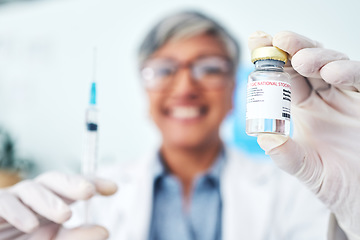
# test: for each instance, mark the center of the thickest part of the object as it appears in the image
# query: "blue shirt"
(202, 221)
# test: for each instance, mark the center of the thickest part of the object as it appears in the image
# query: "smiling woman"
(188, 65)
(189, 112)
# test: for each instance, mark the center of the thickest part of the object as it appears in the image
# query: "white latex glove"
(36, 209)
(325, 150)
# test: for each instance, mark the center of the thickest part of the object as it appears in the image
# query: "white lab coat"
(260, 202)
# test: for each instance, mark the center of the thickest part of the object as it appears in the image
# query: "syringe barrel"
(89, 164)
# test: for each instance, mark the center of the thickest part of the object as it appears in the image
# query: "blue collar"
(214, 173)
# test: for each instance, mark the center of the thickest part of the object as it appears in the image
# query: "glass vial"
(268, 93)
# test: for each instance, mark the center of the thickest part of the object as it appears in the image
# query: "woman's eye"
(164, 72)
(212, 70)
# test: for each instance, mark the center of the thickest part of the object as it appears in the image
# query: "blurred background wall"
(46, 68)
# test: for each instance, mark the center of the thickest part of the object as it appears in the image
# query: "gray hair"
(184, 25)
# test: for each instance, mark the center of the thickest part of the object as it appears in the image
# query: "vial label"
(269, 100)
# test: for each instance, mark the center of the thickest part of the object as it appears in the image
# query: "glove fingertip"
(270, 141)
(105, 187)
(259, 39)
(63, 216)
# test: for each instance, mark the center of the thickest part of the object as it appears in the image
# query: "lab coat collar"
(160, 169)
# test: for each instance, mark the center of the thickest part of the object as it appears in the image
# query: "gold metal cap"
(273, 53)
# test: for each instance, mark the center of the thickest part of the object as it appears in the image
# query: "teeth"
(185, 112)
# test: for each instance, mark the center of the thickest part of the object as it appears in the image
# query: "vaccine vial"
(268, 93)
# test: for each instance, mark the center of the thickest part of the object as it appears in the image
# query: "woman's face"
(189, 111)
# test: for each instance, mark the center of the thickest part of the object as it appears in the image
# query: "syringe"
(89, 161)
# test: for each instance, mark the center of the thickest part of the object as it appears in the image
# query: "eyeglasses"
(210, 72)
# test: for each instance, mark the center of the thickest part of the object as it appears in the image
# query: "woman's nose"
(184, 83)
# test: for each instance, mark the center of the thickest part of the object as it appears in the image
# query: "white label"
(268, 99)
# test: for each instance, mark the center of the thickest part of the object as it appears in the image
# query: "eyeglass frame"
(190, 65)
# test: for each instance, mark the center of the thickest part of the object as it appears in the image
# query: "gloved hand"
(36, 209)
(325, 150)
